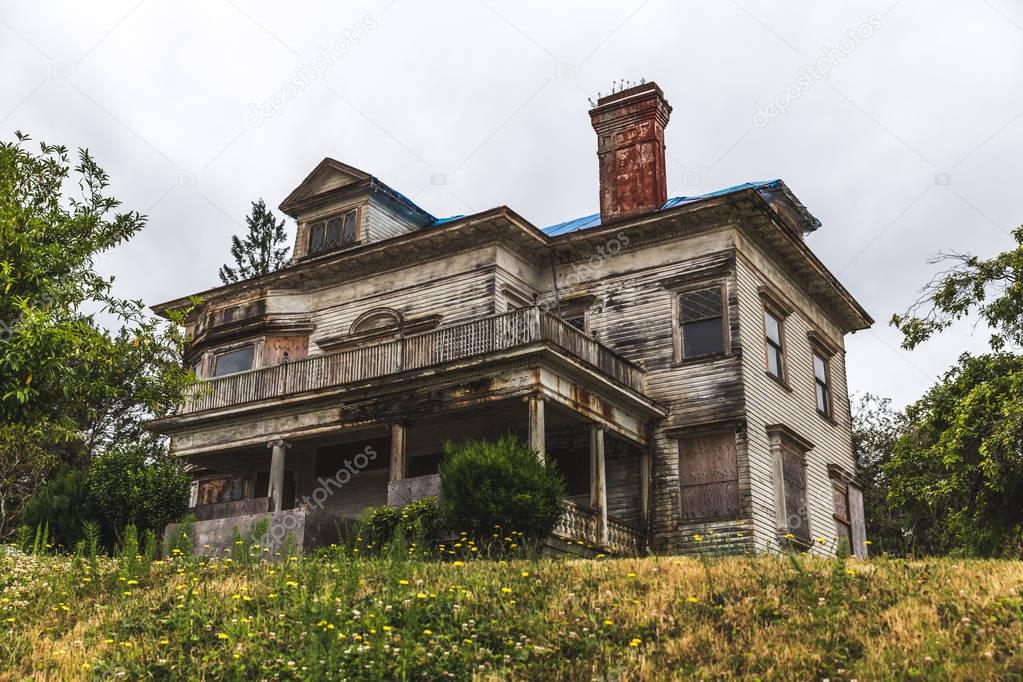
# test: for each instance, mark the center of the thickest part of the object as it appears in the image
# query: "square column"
(399, 465)
(598, 481)
(537, 435)
(275, 487)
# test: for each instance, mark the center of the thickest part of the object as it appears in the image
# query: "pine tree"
(261, 251)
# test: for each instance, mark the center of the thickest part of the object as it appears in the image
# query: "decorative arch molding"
(376, 321)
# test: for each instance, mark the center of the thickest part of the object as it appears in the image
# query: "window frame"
(784, 440)
(779, 347)
(842, 524)
(678, 333)
(826, 386)
(226, 351)
(322, 223)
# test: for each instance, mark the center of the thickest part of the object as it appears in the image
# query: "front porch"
(338, 433)
(310, 488)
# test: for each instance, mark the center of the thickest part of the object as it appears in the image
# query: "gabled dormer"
(338, 206)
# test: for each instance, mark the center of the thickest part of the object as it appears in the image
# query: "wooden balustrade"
(478, 337)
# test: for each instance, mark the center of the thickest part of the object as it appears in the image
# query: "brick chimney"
(630, 148)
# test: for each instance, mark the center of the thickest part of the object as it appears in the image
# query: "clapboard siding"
(458, 288)
(379, 223)
(633, 298)
(768, 402)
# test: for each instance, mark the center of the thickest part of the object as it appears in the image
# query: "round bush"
(501, 484)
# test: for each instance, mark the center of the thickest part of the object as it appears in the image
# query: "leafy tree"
(139, 485)
(63, 506)
(68, 386)
(956, 474)
(957, 470)
(260, 252)
(502, 483)
(989, 287)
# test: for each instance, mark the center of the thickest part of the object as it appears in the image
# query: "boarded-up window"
(708, 476)
(701, 322)
(848, 502)
(794, 478)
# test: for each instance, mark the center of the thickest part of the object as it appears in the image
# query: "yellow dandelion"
(222, 635)
(459, 563)
(506, 590)
(698, 538)
(403, 582)
(607, 621)
(427, 632)
(525, 574)
(635, 642)
(632, 574)
(692, 600)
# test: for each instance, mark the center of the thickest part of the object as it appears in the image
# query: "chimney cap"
(627, 91)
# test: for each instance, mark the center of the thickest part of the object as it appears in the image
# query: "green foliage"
(260, 252)
(989, 287)
(956, 475)
(138, 485)
(69, 387)
(64, 504)
(418, 522)
(500, 484)
(957, 471)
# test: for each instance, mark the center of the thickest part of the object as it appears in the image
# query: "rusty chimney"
(630, 148)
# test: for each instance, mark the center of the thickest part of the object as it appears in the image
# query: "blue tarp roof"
(591, 221)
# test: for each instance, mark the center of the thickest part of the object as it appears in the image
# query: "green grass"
(337, 616)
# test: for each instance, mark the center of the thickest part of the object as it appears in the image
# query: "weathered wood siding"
(768, 402)
(458, 288)
(632, 312)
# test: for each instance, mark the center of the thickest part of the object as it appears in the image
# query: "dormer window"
(333, 232)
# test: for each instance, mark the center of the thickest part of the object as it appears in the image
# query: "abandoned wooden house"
(681, 359)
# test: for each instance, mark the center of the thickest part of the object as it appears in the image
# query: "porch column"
(398, 461)
(644, 486)
(275, 487)
(598, 481)
(537, 436)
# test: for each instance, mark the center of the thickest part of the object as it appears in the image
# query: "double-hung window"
(822, 384)
(775, 350)
(702, 322)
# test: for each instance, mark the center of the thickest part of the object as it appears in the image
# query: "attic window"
(333, 232)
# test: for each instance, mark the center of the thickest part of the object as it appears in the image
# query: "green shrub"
(417, 522)
(501, 484)
(139, 485)
(63, 504)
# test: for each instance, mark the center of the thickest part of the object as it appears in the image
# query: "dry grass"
(334, 617)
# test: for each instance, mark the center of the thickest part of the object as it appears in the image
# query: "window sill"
(827, 417)
(701, 359)
(778, 380)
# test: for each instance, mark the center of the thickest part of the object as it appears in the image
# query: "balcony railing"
(582, 524)
(486, 335)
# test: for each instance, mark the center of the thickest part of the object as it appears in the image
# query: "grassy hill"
(335, 617)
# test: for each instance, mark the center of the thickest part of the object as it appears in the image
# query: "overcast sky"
(898, 124)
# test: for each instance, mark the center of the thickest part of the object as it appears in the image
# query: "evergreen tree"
(261, 251)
